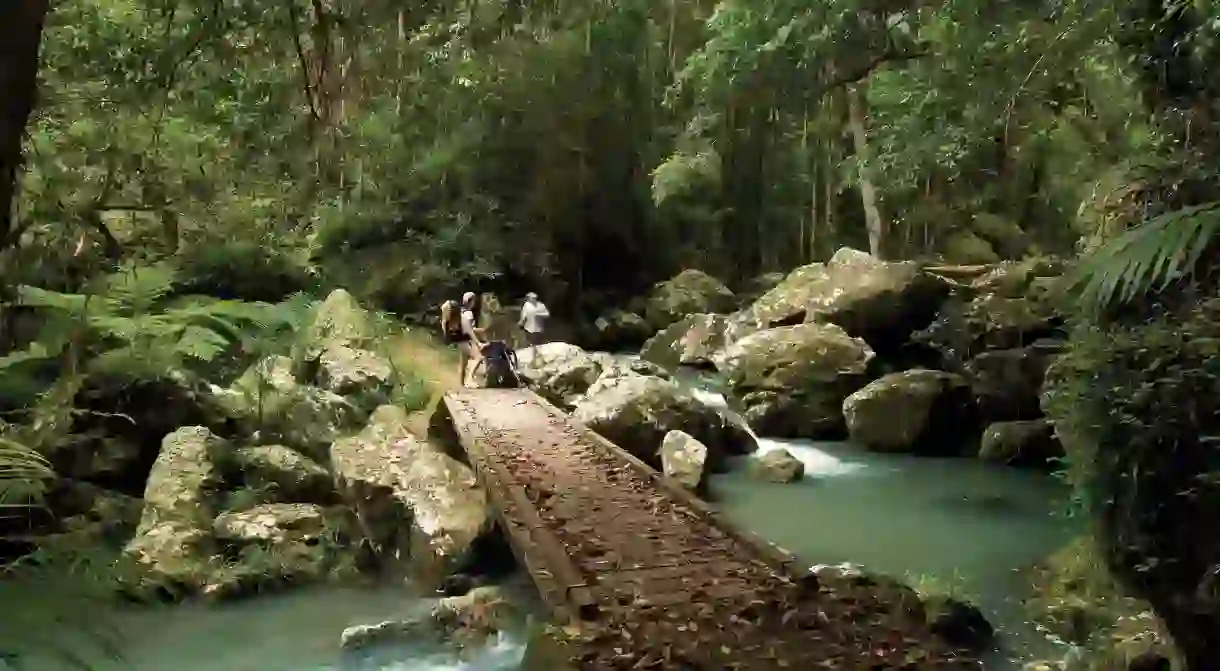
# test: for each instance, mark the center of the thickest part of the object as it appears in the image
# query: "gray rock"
(925, 411)
(560, 372)
(791, 381)
(285, 474)
(694, 340)
(689, 292)
(684, 460)
(776, 466)
(882, 302)
(1021, 443)
(637, 411)
(418, 506)
(365, 377)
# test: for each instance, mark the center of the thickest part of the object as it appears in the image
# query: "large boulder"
(689, 292)
(1025, 443)
(268, 401)
(173, 541)
(280, 474)
(695, 340)
(277, 544)
(1008, 382)
(412, 500)
(618, 330)
(309, 419)
(339, 320)
(791, 381)
(1010, 306)
(924, 411)
(364, 377)
(560, 372)
(637, 411)
(882, 302)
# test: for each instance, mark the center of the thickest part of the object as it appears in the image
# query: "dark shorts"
(456, 338)
(533, 339)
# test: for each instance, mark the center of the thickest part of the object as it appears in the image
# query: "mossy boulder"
(422, 510)
(695, 340)
(689, 292)
(560, 372)
(1030, 443)
(922, 411)
(637, 411)
(791, 381)
(339, 320)
(882, 302)
(965, 246)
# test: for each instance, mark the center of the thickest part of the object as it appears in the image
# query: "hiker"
(458, 325)
(533, 313)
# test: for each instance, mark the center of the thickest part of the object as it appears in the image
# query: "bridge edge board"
(572, 597)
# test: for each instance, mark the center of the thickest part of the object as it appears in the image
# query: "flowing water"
(293, 631)
(945, 524)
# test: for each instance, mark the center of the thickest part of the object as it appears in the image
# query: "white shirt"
(468, 322)
(532, 315)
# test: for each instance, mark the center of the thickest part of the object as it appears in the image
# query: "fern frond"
(33, 297)
(129, 329)
(200, 343)
(138, 287)
(1149, 256)
(22, 471)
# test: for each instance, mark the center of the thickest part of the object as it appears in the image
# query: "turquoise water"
(294, 631)
(957, 525)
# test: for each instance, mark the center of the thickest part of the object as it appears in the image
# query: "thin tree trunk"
(857, 119)
(21, 24)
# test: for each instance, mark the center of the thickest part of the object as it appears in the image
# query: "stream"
(954, 524)
(297, 630)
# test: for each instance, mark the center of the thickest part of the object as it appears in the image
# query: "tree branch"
(304, 62)
(864, 71)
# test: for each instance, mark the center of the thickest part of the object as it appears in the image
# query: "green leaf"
(1147, 257)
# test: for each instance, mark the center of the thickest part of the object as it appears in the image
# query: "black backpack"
(501, 362)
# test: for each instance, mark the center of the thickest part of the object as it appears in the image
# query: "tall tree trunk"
(857, 119)
(20, 36)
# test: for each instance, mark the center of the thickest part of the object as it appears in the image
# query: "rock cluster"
(895, 355)
(306, 472)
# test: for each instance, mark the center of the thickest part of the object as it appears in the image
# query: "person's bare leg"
(463, 361)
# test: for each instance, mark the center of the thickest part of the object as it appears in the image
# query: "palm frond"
(1149, 256)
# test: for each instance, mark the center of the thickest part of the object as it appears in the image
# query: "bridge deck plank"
(661, 580)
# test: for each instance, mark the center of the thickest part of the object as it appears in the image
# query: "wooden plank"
(773, 555)
(513, 501)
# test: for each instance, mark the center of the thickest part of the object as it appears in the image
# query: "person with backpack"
(458, 326)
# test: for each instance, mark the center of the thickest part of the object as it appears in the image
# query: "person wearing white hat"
(471, 334)
(533, 313)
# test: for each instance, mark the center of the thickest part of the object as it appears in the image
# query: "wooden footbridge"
(651, 575)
